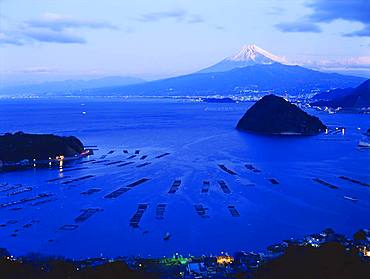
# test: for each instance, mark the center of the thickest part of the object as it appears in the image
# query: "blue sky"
(53, 40)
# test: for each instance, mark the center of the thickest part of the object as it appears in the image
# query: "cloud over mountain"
(326, 11)
(59, 22)
(360, 62)
(50, 28)
(179, 15)
(298, 27)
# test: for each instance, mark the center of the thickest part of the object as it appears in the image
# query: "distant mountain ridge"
(271, 78)
(65, 86)
(249, 55)
(358, 97)
(251, 72)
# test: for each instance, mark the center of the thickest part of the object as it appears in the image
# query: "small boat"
(363, 143)
(350, 199)
(167, 236)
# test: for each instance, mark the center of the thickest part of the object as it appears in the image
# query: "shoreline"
(247, 262)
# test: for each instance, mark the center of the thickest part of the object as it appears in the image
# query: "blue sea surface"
(198, 137)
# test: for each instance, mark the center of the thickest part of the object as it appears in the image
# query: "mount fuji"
(251, 72)
(249, 55)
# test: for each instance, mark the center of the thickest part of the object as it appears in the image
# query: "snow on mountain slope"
(247, 56)
(256, 54)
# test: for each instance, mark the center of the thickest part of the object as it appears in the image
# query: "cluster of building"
(225, 265)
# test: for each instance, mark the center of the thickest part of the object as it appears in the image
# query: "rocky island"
(274, 115)
(20, 149)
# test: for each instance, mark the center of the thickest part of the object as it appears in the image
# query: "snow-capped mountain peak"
(247, 56)
(255, 54)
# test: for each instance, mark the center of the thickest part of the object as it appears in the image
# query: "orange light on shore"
(365, 251)
(60, 158)
(225, 260)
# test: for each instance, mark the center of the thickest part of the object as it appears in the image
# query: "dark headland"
(21, 146)
(358, 97)
(274, 115)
